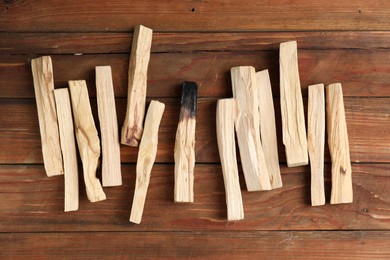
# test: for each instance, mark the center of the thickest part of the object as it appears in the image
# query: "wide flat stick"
(293, 118)
(268, 128)
(87, 139)
(316, 142)
(146, 157)
(227, 153)
(338, 146)
(247, 122)
(42, 71)
(111, 161)
(138, 68)
(68, 148)
(185, 145)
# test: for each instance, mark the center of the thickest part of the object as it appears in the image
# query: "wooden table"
(338, 41)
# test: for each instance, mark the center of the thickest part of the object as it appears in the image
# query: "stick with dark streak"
(185, 145)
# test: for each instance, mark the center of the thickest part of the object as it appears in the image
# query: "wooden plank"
(218, 15)
(20, 141)
(361, 69)
(220, 245)
(32, 202)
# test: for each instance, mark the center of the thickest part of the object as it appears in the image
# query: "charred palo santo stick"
(293, 118)
(146, 156)
(227, 153)
(138, 67)
(338, 146)
(247, 128)
(185, 144)
(87, 139)
(68, 147)
(316, 142)
(111, 164)
(42, 71)
(268, 128)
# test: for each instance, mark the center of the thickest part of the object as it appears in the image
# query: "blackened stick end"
(188, 100)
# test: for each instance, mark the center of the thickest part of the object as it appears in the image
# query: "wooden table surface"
(338, 41)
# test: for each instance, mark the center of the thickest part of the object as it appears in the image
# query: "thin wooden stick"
(316, 142)
(293, 117)
(42, 71)
(138, 67)
(146, 156)
(111, 160)
(227, 153)
(268, 128)
(338, 146)
(247, 122)
(185, 145)
(87, 139)
(68, 148)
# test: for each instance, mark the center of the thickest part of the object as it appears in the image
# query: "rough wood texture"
(293, 118)
(245, 92)
(137, 79)
(68, 149)
(184, 152)
(316, 142)
(146, 157)
(87, 139)
(227, 153)
(42, 71)
(268, 128)
(338, 146)
(111, 164)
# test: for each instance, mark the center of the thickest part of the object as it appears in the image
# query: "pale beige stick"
(138, 68)
(87, 139)
(338, 146)
(42, 71)
(268, 128)
(316, 142)
(68, 148)
(247, 125)
(227, 153)
(111, 160)
(146, 156)
(185, 145)
(293, 117)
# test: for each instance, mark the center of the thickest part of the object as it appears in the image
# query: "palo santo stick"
(247, 128)
(185, 145)
(68, 148)
(316, 142)
(338, 146)
(146, 156)
(138, 68)
(87, 139)
(111, 164)
(42, 71)
(268, 128)
(293, 118)
(227, 153)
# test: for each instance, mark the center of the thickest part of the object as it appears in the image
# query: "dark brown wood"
(220, 245)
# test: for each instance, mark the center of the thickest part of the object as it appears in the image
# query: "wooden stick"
(227, 153)
(42, 71)
(316, 142)
(338, 146)
(68, 148)
(293, 118)
(268, 128)
(185, 145)
(247, 127)
(146, 156)
(111, 164)
(138, 67)
(87, 139)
